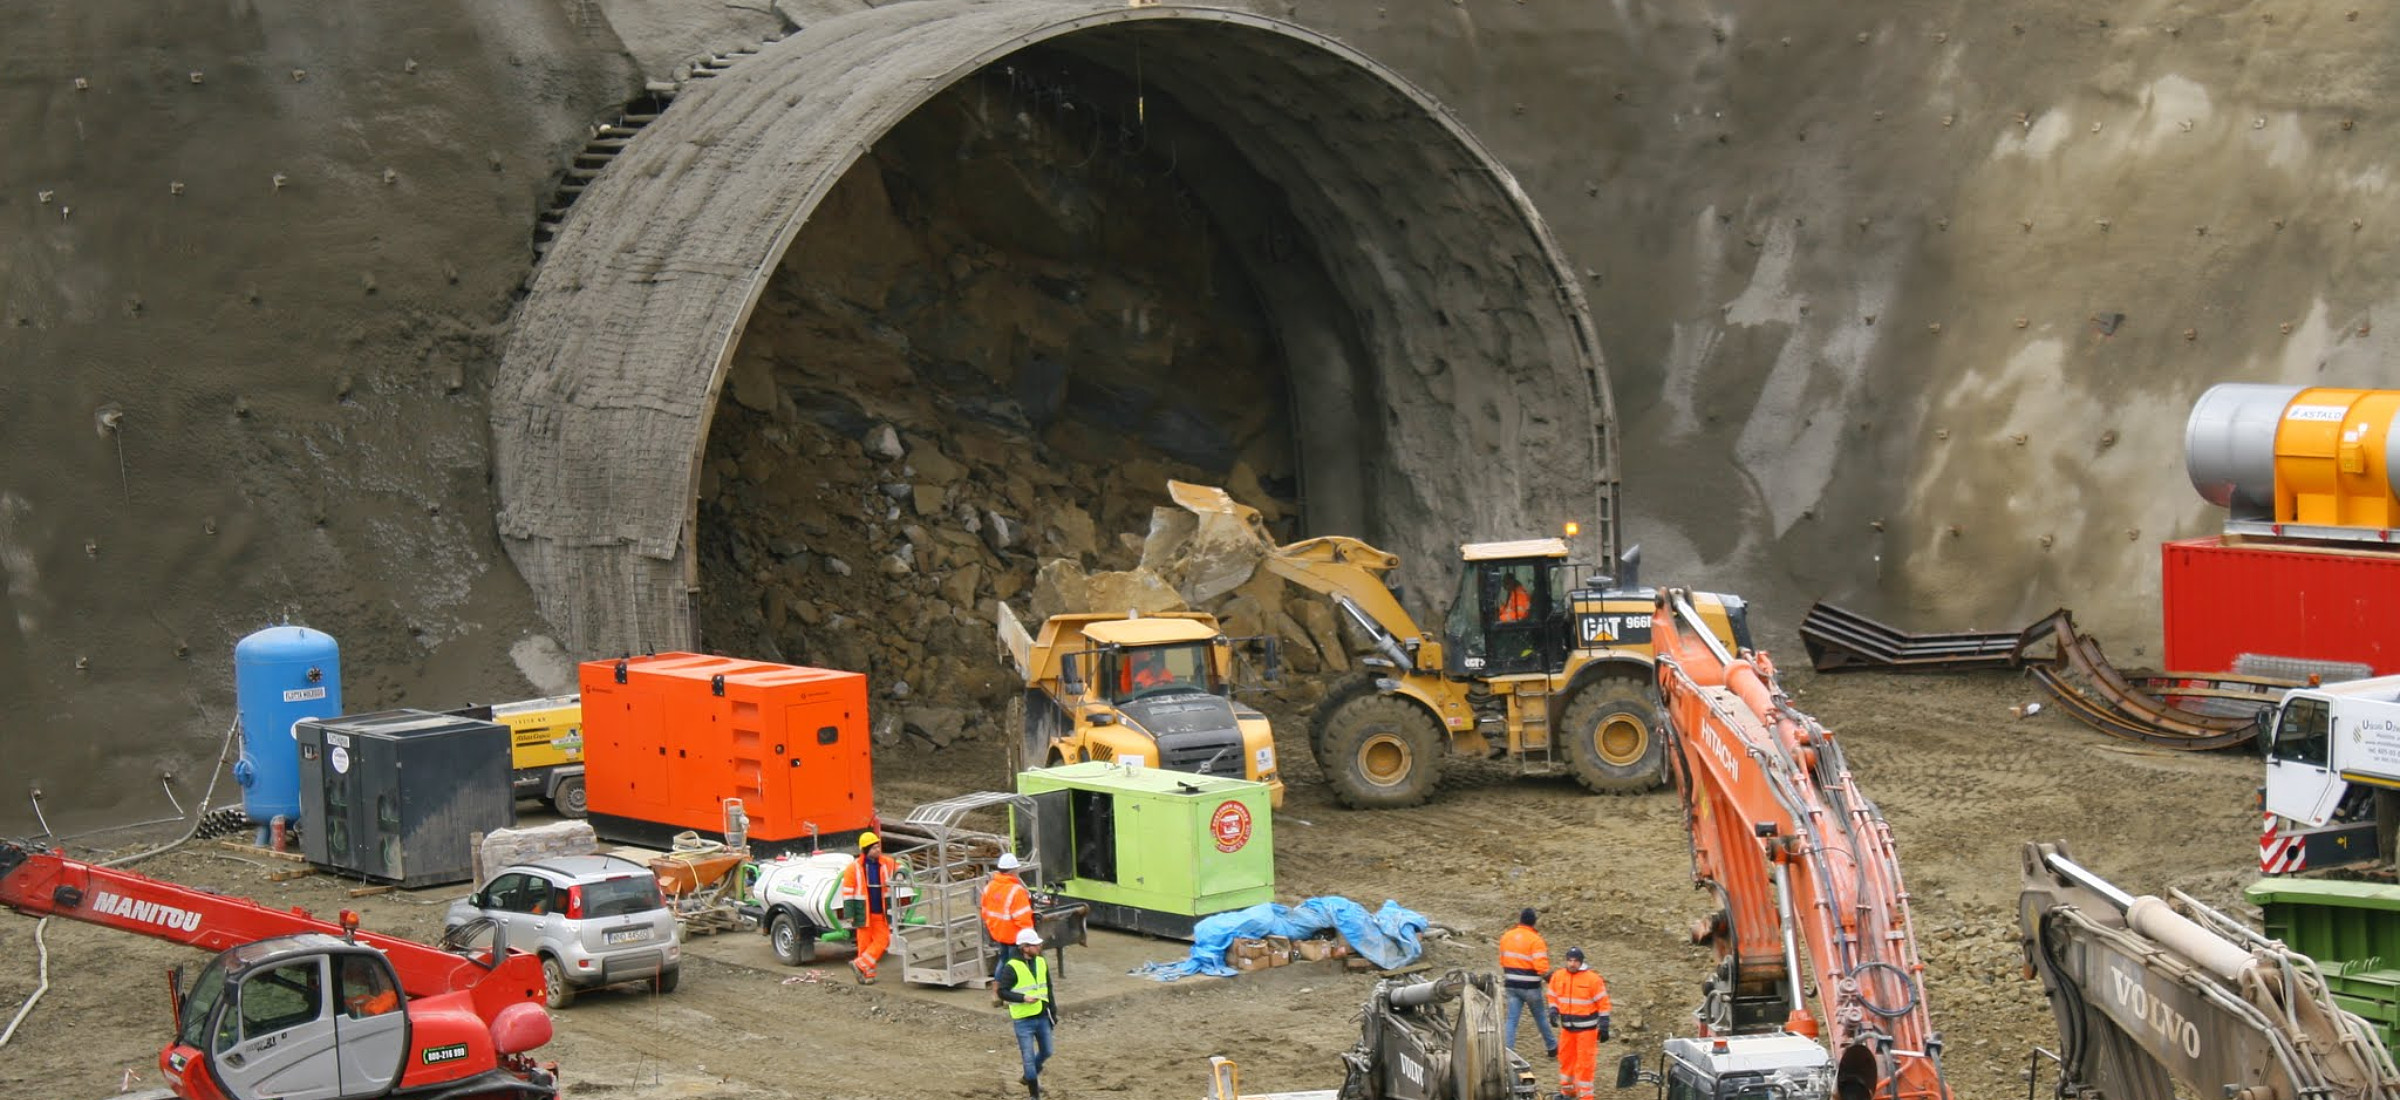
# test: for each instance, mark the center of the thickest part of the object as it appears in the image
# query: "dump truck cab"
(1156, 690)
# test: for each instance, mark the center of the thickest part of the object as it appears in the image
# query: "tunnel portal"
(1060, 252)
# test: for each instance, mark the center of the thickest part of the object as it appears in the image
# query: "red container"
(2312, 602)
(667, 738)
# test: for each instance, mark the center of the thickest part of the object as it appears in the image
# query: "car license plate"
(628, 935)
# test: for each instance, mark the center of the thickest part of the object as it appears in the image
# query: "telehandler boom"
(299, 1008)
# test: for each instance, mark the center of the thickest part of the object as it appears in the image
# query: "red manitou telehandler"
(298, 1008)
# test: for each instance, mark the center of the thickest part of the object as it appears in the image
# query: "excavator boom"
(2150, 995)
(1799, 857)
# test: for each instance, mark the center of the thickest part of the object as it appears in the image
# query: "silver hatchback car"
(594, 920)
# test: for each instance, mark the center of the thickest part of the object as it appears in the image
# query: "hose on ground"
(42, 926)
(41, 947)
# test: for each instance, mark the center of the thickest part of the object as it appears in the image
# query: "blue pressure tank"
(281, 675)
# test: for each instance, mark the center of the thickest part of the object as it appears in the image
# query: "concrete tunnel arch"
(1454, 390)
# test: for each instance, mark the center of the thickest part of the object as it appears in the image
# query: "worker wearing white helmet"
(1007, 907)
(1024, 984)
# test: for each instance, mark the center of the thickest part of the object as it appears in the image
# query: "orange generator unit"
(667, 738)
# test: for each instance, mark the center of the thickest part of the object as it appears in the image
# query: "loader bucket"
(1223, 548)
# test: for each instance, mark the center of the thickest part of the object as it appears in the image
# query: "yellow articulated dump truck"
(1156, 690)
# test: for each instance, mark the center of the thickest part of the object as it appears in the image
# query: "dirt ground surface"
(1964, 784)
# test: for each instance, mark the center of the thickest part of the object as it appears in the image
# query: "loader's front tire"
(1382, 752)
(1341, 696)
(1613, 737)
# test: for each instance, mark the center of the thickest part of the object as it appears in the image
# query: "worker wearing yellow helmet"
(870, 882)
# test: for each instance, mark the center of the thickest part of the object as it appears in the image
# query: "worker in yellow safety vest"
(1579, 1006)
(1024, 984)
(870, 880)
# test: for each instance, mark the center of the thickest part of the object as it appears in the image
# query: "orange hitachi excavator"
(294, 1006)
(1798, 859)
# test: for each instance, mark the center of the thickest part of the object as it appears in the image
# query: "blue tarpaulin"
(1387, 937)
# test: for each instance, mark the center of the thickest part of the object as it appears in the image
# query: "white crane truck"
(2333, 776)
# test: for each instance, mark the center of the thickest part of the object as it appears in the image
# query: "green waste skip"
(2352, 929)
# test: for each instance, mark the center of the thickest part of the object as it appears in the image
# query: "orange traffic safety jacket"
(1580, 997)
(1516, 606)
(875, 889)
(1524, 958)
(1007, 908)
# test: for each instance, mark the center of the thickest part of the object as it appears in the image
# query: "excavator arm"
(1798, 856)
(42, 883)
(2150, 995)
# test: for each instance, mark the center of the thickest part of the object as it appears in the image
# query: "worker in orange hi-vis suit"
(870, 882)
(1579, 1006)
(1516, 605)
(1007, 908)
(1524, 967)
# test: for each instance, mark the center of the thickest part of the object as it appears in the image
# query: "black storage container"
(398, 795)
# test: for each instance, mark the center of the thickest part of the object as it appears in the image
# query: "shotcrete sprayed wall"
(1905, 304)
(255, 261)
(1770, 207)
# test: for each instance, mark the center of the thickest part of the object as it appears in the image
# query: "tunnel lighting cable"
(40, 942)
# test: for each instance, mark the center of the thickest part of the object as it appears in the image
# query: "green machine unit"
(1152, 850)
(2352, 930)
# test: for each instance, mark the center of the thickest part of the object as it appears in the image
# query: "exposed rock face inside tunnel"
(1003, 331)
(1443, 378)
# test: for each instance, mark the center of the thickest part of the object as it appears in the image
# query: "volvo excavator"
(1537, 662)
(1797, 858)
(1419, 1039)
(298, 1008)
(2157, 998)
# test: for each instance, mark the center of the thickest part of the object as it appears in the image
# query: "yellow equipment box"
(546, 749)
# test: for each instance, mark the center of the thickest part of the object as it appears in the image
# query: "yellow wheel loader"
(1156, 690)
(1537, 662)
